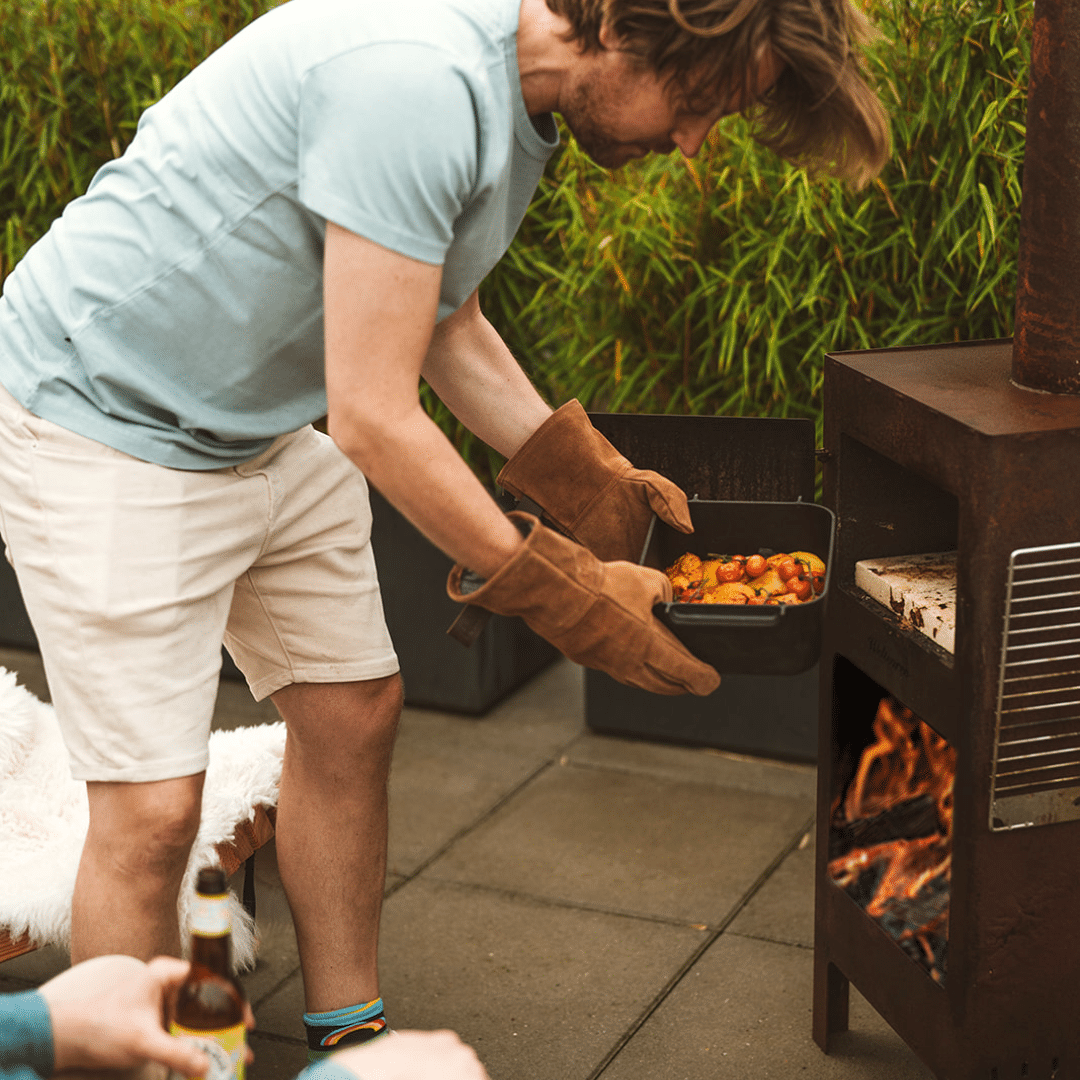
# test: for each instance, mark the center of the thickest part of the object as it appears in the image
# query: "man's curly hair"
(820, 114)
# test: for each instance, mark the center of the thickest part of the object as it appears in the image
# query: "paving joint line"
(634, 770)
(273, 1036)
(700, 951)
(475, 824)
(571, 905)
(274, 989)
(773, 941)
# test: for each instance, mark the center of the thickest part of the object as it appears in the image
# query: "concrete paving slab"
(744, 1010)
(443, 778)
(33, 968)
(783, 908)
(628, 842)
(704, 765)
(541, 991)
(450, 770)
(541, 717)
(280, 1014)
(275, 1059)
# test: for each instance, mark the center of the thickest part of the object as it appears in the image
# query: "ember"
(891, 834)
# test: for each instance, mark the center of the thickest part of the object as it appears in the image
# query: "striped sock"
(330, 1031)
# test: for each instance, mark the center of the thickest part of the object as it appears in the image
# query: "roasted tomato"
(810, 561)
(787, 568)
(800, 587)
(730, 571)
(756, 565)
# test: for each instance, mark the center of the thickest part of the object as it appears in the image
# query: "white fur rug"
(43, 816)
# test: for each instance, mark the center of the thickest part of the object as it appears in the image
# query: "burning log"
(890, 845)
(907, 820)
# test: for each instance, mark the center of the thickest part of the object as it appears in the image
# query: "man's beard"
(592, 136)
(605, 152)
(578, 114)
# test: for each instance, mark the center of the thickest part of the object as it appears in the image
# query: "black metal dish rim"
(758, 611)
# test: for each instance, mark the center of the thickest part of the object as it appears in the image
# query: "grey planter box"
(15, 629)
(772, 716)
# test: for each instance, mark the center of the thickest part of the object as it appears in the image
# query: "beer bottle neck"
(214, 953)
(211, 937)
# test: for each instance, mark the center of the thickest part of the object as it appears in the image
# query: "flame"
(908, 760)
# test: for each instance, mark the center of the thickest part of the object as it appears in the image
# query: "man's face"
(618, 110)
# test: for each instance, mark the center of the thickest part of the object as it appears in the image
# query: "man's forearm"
(469, 366)
(416, 468)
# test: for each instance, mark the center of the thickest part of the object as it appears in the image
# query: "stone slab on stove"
(920, 589)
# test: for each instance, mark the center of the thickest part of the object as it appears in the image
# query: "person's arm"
(26, 1038)
(402, 1055)
(106, 1013)
(558, 460)
(380, 310)
(476, 376)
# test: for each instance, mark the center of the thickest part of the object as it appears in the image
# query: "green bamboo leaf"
(988, 209)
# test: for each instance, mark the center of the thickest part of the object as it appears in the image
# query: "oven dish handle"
(739, 621)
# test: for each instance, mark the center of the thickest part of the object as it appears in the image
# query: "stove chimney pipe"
(1046, 343)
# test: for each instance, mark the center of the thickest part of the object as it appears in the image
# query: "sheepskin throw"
(43, 816)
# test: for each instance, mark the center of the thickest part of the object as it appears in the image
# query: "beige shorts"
(133, 575)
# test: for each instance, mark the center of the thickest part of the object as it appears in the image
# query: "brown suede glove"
(587, 488)
(598, 614)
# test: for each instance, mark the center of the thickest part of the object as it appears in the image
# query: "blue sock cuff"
(349, 1014)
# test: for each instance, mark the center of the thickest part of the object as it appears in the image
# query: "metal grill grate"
(1037, 741)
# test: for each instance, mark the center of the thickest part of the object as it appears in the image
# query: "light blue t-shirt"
(174, 311)
(26, 1037)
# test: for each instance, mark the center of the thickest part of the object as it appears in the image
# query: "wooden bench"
(246, 840)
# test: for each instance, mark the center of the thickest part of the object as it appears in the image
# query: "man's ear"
(609, 40)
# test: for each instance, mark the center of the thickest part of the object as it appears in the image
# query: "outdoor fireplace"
(972, 448)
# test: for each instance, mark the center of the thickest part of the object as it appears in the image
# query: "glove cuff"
(565, 466)
(522, 585)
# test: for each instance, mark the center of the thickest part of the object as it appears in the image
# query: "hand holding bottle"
(106, 1014)
(413, 1055)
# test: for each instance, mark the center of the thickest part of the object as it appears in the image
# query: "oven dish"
(741, 639)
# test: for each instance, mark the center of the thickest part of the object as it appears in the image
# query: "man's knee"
(145, 829)
(357, 713)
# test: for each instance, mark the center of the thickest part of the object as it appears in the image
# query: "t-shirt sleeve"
(26, 1037)
(328, 1069)
(389, 146)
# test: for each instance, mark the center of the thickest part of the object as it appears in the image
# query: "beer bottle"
(208, 1007)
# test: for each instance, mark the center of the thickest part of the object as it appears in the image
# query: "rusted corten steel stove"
(960, 447)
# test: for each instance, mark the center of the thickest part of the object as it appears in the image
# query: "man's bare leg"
(331, 831)
(136, 851)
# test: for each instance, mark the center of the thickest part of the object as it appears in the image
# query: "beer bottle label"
(210, 915)
(224, 1047)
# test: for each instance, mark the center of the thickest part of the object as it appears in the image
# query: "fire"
(903, 785)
